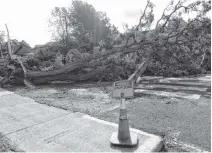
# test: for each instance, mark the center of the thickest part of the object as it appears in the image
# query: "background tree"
(81, 24)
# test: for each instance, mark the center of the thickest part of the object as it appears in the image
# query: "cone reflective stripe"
(122, 105)
(124, 137)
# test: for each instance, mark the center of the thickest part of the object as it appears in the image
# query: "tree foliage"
(171, 46)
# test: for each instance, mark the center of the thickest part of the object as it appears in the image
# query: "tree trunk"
(66, 77)
(141, 68)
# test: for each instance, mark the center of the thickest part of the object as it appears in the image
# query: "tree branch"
(8, 43)
(144, 13)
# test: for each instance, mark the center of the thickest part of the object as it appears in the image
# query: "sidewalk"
(41, 128)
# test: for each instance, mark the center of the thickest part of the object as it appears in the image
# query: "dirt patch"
(77, 98)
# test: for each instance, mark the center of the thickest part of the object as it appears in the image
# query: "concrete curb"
(154, 144)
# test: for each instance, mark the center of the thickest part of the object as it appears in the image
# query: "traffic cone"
(124, 137)
(123, 129)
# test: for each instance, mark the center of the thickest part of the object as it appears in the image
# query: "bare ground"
(86, 98)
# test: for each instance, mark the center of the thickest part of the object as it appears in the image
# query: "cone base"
(133, 141)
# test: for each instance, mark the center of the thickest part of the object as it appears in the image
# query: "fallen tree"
(147, 44)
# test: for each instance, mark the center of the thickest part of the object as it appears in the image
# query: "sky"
(28, 19)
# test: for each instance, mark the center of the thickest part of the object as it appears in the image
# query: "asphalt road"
(184, 123)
